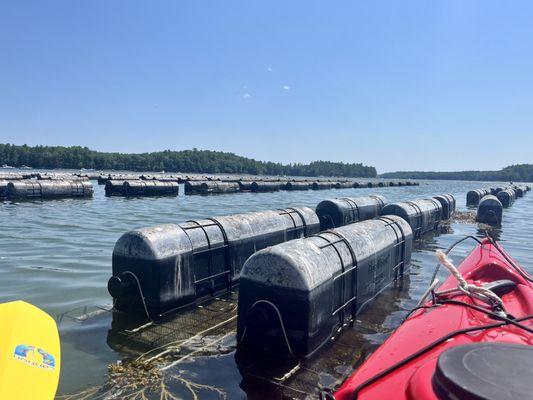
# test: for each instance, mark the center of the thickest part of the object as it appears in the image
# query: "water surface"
(57, 255)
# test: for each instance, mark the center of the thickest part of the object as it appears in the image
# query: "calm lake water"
(57, 255)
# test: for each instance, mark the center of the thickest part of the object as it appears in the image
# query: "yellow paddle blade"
(30, 355)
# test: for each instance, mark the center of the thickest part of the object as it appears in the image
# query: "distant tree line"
(198, 161)
(514, 173)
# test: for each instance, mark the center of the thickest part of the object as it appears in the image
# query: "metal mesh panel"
(182, 326)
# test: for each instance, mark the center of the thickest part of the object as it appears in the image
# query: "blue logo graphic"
(34, 356)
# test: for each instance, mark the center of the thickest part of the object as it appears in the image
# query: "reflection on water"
(57, 255)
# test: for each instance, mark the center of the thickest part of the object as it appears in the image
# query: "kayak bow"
(459, 345)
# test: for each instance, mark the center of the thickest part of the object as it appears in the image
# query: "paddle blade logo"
(34, 356)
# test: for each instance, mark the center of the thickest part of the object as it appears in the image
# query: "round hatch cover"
(485, 371)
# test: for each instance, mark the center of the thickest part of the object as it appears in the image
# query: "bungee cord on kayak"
(465, 287)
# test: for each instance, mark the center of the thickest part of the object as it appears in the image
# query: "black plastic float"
(321, 185)
(266, 186)
(473, 197)
(334, 213)
(490, 210)
(293, 296)
(47, 189)
(210, 187)
(174, 264)
(343, 185)
(507, 197)
(422, 215)
(448, 203)
(297, 186)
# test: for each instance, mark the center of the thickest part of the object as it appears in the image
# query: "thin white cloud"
(269, 69)
(246, 95)
(286, 87)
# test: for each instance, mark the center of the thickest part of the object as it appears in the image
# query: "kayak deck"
(404, 364)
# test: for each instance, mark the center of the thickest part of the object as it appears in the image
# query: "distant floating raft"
(11, 177)
(295, 295)
(3, 189)
(161, 178)
(175, 264)
(151, 188)
(210, 187)
(342, 185)
(297, 186)
(102, 179)
(115, 188)
(44, 190)
(321, 185)
(266, 186)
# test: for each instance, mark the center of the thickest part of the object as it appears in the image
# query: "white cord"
(466, 287)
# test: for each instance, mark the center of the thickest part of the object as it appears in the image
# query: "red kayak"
(461, 344)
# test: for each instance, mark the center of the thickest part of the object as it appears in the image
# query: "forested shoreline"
(514, 173)
(195, 161)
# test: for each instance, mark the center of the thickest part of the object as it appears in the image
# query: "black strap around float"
(354, 208)
(344, 271)
(400, 243)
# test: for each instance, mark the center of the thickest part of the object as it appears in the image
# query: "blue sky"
(398, 85)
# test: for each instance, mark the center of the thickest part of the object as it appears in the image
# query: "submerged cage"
(172, 265)
(293, 296)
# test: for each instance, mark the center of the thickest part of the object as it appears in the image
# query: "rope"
(282, 325)
(187, 356)
(434, 276)
(466, 287)
(141, 295)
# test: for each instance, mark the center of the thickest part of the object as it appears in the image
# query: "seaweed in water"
(140, 380)
(461, 217)
(152, 379)
(155, 376)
